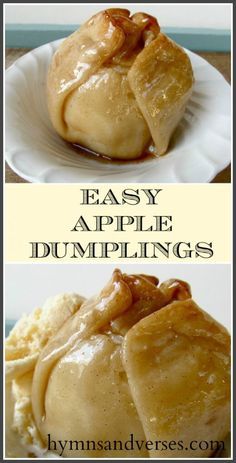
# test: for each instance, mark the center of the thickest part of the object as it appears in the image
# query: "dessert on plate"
(118, 86)
(140, 359)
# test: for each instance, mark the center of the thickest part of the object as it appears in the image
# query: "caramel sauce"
(147, 155)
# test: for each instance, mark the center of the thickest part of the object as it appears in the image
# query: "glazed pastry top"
(117, 85)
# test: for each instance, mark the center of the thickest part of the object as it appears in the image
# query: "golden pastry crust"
(98, 80)
(161, 79)
(140, 358)
(132, 360)
(177, 362)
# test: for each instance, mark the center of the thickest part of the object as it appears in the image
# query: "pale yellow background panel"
(47, 213)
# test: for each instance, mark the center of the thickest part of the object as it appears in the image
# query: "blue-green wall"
(34, 35)
(9, 325)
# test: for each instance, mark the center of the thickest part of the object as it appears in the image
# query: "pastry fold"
(178, 369)
(141, 359)
(117, 85)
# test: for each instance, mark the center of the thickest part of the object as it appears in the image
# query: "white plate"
(199, 150)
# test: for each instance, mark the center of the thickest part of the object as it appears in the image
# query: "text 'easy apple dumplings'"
(139, 359)
(118, 86)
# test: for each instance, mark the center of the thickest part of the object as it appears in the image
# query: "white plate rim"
(35, 179)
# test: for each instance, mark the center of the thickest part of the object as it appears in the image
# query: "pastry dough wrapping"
(117, 85)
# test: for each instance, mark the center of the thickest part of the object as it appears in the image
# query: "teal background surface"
(9, 325)
(34, 35)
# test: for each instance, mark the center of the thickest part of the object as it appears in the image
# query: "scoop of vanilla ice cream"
(23, 345)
